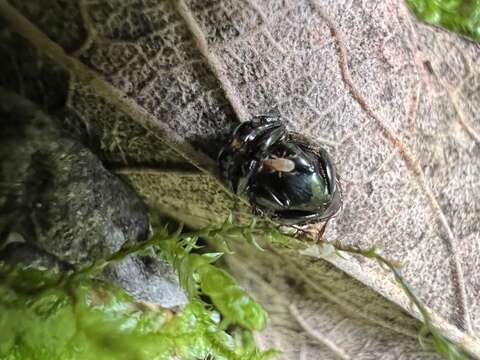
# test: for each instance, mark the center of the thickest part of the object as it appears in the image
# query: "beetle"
(282, 174)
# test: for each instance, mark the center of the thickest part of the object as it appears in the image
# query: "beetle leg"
(303, 142)
(322, 230)
(271, 116)
(255, 140)
(336, 204)
(290, 217)
(244, 183)
(328, 170)
(265, 198)
(266, 137)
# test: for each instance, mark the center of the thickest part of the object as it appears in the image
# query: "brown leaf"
(393, 101)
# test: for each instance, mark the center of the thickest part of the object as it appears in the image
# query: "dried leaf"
(160, 84)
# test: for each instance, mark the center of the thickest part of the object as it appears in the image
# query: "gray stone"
(68, 207)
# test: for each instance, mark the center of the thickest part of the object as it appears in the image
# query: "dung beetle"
(283, 175)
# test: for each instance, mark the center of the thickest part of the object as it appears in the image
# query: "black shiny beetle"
(282, 175)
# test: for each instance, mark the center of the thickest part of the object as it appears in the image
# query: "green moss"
(198, 276)
(462, 16)
(45, 315)
(86, 320)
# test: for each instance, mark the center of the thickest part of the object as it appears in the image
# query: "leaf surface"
(393, 100)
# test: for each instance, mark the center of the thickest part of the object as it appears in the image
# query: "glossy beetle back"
(282, 176)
